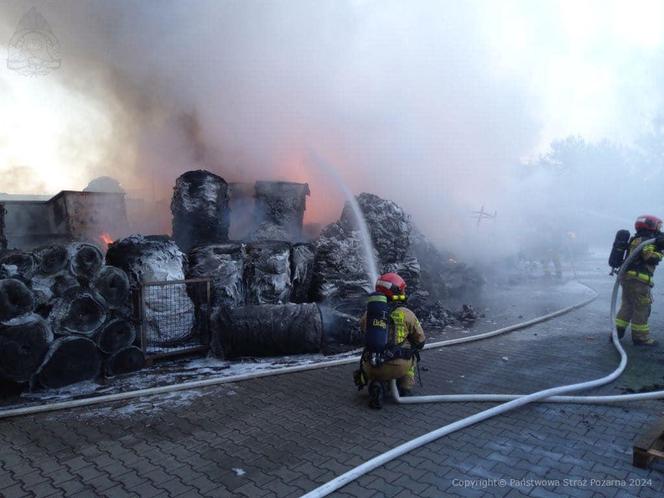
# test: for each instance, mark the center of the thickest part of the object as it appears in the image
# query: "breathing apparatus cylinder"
(377, 328)
(619, 250)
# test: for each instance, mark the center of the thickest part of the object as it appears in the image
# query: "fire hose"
(65, 405)
(514, 401)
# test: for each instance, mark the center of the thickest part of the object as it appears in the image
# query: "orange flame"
(106, 239)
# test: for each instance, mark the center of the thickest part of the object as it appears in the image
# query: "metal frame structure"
(201, 322)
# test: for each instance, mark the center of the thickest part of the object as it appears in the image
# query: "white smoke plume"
(432, 104)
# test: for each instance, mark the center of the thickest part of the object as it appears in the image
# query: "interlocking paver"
(285, 435)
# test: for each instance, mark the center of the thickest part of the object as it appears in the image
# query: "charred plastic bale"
(200, 209)
(340, 277)
(51, 260)
(340, 331)
(302, 271)
(23, 346)
(268, 272)
(112, 284)
(19, 264)
(85, 261)
(280, 210)
(15, 299)
(115, 335)
(80, 311)
(129, 359)
(169, 311)
(69, 360)
(269, 330)
(388, 223)
(224, 265)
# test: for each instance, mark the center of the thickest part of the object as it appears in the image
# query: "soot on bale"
(15, 299)
(200, 208)
(280, 210)
(224, 264)
(268, 272)
(80, 311)
(23, 346)
(69, 360)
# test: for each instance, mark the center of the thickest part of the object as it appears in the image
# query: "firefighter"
(393, 335)
(637, 282)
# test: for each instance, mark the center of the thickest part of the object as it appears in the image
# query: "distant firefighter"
(393, 338)
(637, 281)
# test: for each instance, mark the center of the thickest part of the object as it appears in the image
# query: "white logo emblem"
(33, 50)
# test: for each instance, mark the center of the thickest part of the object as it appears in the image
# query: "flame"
(106, 239)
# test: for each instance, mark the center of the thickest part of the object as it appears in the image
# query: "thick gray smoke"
(405, 99)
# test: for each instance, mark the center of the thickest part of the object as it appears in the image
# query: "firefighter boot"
(376, 395)
(621, 334)
(645, 341)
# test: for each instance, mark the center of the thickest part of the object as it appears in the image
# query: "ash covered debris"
(340, 269)
(279, 210)
(224, 264)
(268, 272)
(200, 208)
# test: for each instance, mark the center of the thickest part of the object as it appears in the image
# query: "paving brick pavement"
(284, 435)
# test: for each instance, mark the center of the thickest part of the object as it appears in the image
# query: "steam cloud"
(413, 101)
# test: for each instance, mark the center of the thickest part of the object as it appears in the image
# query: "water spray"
(365, 235)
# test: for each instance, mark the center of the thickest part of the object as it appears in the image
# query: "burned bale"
(79, 311)
(168, 309)
(268, 272)
(340, 276)
(51, 260)
(85, 261)
(339, 329)
(268, 330)
(280, 210)
(200, 209)
(19, 264)
(224, 264)
(388, 224)
(16, 299)
(115, 335)
(62, 283)
(23, 346)
(152, 258)
(112, 284)
(302, 271)
(129, 359)
(69, 360)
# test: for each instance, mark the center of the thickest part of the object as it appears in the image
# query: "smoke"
(431, 104)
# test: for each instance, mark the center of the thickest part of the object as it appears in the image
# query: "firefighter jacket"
(405, 329)
(643, 267)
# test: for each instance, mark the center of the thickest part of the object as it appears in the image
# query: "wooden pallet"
(649, 446)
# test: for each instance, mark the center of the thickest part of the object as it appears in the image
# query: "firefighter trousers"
(401, 369)
(635, 308)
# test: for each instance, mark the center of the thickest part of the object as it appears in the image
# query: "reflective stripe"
(398, 317)
(377, 299)
(643, 277)
(640, 328)
(621, 323)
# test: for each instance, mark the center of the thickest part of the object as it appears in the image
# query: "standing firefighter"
(637, 281)
(393, 338)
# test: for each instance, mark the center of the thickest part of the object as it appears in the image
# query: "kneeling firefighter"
(393, 339)
(637, 281)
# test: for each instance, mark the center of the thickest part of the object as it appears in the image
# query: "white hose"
(516, 401)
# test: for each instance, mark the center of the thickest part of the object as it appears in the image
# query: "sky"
(428, 103)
